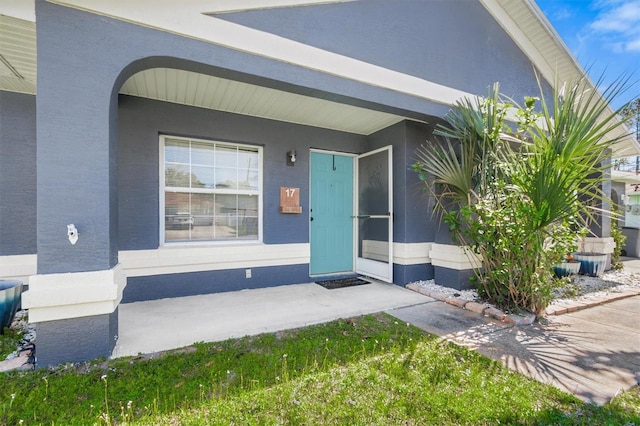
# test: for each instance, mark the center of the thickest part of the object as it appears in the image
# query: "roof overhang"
(521, 19)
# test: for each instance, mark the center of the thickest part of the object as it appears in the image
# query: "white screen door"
(374, 218)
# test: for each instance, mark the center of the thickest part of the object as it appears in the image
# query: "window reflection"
(211, 191)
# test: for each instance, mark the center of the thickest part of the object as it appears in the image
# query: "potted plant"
(569, 266)
(591, 264)
(10, 297)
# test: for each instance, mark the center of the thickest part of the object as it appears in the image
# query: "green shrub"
(516, 194)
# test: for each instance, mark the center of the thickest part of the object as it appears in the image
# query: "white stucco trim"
(190, 20)
(600, 245)
(18, 267)
(411, 253)
(54, 297)
(453, 257)
(181, 259)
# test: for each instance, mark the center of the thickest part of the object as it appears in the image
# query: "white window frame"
(162, 188)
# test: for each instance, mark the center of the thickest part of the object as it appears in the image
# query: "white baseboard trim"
(411, 253)
(182, 259)
(54, 297)
(18, 267)
(453, 257)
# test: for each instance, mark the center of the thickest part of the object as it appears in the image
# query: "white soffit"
(17, 54)
(206, 91)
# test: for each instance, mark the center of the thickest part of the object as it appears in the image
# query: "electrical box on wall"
(290, 200)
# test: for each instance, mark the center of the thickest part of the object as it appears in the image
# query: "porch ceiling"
(206, 91)
(17, 55)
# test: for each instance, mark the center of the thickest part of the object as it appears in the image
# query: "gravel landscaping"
(581, 286)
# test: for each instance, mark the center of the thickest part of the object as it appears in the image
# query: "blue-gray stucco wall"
(17, 174)
(205, 282)
(76, 339)
(454, 43)
(141, 121)
(77, 112)
(77, 118)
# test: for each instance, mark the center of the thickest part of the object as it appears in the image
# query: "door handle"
(311, 219)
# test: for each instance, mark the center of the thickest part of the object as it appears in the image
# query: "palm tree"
(516, 192)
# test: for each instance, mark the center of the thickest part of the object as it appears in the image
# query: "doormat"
(345, 282)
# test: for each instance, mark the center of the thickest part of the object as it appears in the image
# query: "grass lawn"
(371, 370)
(8, 341)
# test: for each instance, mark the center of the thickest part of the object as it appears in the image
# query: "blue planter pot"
(591, 264)
(566, 269)
(10, 295)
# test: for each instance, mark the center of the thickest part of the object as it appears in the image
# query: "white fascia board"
(20, 9)
(190, 19)
(231, 6)
(519, 37)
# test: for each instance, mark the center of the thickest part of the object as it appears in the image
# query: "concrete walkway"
(631, 264)
(593, 353)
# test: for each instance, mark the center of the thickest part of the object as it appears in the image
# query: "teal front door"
(331, 213)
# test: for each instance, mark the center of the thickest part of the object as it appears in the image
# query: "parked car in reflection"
(178, 221)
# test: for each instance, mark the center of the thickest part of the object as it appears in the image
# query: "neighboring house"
(626, 194)
(166, 132)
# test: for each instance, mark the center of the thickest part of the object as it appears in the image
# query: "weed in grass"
(105, 415)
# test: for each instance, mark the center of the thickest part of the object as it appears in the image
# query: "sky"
(603, 35)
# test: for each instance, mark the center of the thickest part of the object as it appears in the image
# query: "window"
(211, 191)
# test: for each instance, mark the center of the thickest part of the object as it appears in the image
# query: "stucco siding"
(453, 43)
(18, 174)
(141, 121)
(205, 282)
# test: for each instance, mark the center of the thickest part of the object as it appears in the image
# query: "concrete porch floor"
(157, 325)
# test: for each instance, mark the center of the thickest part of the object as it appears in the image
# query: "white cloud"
(619, 22)
(563, 13)
(633, 46)
(624, 17)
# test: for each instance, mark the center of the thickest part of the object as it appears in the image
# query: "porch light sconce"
(291, 157)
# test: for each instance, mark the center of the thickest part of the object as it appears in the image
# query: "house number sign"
(290, 200)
